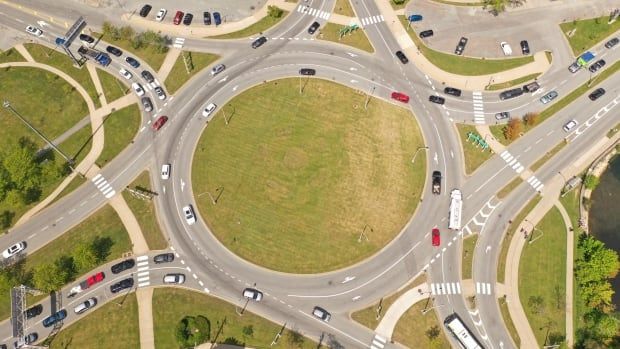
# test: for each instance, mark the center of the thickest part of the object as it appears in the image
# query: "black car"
(402, 57)
(121, 285)
(187, 20)
(145, 10)
(515, 92)
(437, 99)
(87, 38)
(611, 43)
(113, 50)
(34, 311)
(147, 76)
(596, 94)
(307, 71)
(122, 266)
(132, 62)
(525, 47)
(163, 258)
(426, 33)
(313, 27)
(461, 46)
(259, 42)
(597, 65)
(206, 17)
(452, 91)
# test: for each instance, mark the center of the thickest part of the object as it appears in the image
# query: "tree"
(126, 32)
(513, 129)
(49, 277)
(191, 331)
(595, 262)
(84, 256)
(597, 294)
(602, 326)
(21, 166)
(274, 11)
(531, 118)
(591, 181)
(433, 333)
(536, 304)
(5, 181)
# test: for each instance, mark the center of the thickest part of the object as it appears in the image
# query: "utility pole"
(370, 92)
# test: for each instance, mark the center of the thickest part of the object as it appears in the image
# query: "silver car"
(548, 97)
(217, 69)
(146, 103)
(84, 306)
(574, 67)
(174, 279)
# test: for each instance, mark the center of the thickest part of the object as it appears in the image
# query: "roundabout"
(309, 182)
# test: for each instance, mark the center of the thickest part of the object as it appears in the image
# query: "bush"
(191, 331)
(513, 129)
(398, 2)
(274, 11)
(591, 181)
(530, 119)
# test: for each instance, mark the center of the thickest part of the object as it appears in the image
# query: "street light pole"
(370, 92)
(416, 153)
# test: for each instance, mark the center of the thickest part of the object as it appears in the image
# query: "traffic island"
(185, 67)
(476, 150)
(351, 35)
(584, 34)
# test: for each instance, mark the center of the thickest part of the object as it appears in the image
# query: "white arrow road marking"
(182, 185)
(353, 69)
(436, 159)
(235, 88)
(42, 23)
(348, 278)
(540, 90)
(488, 249)
(356, 298)
(224, 79)
(354, 81)
(164, 189)
(351, 54)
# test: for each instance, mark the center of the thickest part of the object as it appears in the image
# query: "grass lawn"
(74, 184)
(512, 229)
(103, 224)
(343, 7)
(178, 75)
(368, 316)
(120, 128)
(256, 29)
(180, 303)
(43, 54)
(514, 82)
(398, 6)
(542, 273)
(589, 32)
(411, 328)
(112, 87)
(147, 54)
(473, 154)
(464, 65)
(357, 38)
(509, 187)
(118, 325)
(548, 155)
(288, 206)
(144, 210)
(503, 307)
(11, 55)
(469, 244)
(559, 105)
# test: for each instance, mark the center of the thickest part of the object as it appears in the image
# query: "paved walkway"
(399, 307)
(98, 87)
(24, 52)
(570, 242)
(139, 245)
(166, 66)
(144, 296)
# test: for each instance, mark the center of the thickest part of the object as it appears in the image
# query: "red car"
(178, 17)
(401, 97)
(160, 122)
(436, 237)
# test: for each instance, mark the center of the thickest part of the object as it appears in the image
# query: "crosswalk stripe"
(458, 288)
(382, 19)
(145, 278)
(110, 194)
(377, 344)
(144, 284)
(433, 291)
(380, 339)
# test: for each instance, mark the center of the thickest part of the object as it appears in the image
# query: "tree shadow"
(102, 247)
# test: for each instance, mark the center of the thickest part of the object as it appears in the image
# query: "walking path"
(98, 87)
(24, 52)
(168, 63)
(399, 307)
(570, 242)
(139, 245)
(144, 296)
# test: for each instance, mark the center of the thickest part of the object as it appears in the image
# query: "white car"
(190, 217)
(252, 293)
(209, 109)
(506, 48)
(34, 31)
(570, 125)
(174, 279)
(138, 88)
(160, 93)
(165, 171)
(13, 250)
(321, 314)
(124, 73)
(161, 14)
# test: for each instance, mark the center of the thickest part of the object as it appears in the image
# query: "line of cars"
(185, 17)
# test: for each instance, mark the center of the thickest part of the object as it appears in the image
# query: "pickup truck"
(436, 182)
(93, 279)
(99, 57)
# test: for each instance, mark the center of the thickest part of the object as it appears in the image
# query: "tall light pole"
(370, 92)
(416, 153)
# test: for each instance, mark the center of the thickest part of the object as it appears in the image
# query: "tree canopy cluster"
(137, 40)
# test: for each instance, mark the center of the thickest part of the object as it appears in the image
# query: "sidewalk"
(168, 63)
(145, 317)
(570, 242)
(399, 307)
(24, 52)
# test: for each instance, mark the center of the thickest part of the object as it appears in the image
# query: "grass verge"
(512, 229)
(464, 65)
(588, 32)
(11, 55)
(469, 244)
(144, 210)
(290, 158)
(548, 155)
(612, 132)
(509, 187)
(147, 53)
(248, 330)
(119, 127)
(503, 307)
(112, 87)
(412, 328)
(178, 75)
(474, 155)
(74, 184)
(542, 278)
(257, 28)
(343, 7)
(119, 327)
(514, 82)
(357, 39)
(559, 105)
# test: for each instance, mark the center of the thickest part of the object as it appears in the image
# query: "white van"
(165, 171)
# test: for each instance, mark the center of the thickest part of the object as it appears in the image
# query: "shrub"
(274, 11)
(591, 181)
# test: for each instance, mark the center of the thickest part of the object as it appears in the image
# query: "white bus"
(456, 207)
(461, 333)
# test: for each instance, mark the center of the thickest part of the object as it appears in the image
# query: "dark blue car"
(54, 318)
(415, 18)
(217, 18)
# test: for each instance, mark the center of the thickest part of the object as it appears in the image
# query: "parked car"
(161, 14)
(147, 76)
(259, 42)
(452, 91)
(187, 20)
(217, 69)
(206, 18)
(188, 212)
(307, 71)
(209, 109)
(34, 311)
(436, 99)
(132, 62)
(126, 74)
(178, 16)
(436, 237)
(54, 318)
(525, 47)
(508, 94)
(163, 258)
(596, 94)
(165, 171)
(145, 10)
(506, 48)
(122, 285)
(502, 116)
(531, 87)
(573, 68)
(401, 97)
(84, 306)
(34, 30)
(175, 278)
(597, 65)
(321, 314)
(114, 51)
(31, 338)
(122, 266)
(401, 56)
(217, 18)
(570, 125)
(415, 18)
(252, 293)
(548, 97)
(87, 39)
(460, 47)
(14, 249)
(313, 27)
(147, 104)
(611, 43)
(160, 92)
(160, 122)
(426, 33)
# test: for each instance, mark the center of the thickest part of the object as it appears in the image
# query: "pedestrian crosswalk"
(378, 342)
(372, 20)
(483, 288)
(103, 186)
(143, 271)
(445, 288)
(313, 12)
(512, 161)
(179, 42)
(535, 183)
(478, 107)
